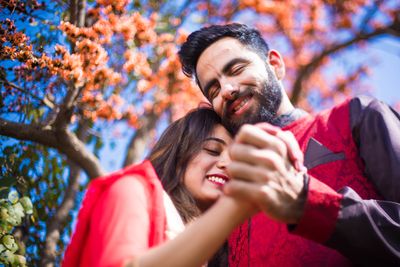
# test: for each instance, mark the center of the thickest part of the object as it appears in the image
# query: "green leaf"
(27, 204)
(18, 210)
(13, 197)
(9, 242)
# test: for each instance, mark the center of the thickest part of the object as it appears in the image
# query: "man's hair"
(199, 40)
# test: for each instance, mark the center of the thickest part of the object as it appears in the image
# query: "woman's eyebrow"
(215, 139)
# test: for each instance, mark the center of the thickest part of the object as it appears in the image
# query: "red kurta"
(122, 215)
(268, 243)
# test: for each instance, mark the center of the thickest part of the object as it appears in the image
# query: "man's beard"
(267, 104)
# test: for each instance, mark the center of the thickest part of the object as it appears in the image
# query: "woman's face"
(206, 172)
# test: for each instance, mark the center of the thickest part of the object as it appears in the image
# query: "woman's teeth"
(216, 179)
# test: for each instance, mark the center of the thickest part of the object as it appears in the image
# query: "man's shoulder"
(360, 104)
(367, 105)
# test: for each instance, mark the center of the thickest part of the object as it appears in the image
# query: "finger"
(253, 156)
(293, 148)
(269, 128)
(255, 136)
(249, 173)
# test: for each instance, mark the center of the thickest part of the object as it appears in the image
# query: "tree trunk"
(56, 223)
(141, 139)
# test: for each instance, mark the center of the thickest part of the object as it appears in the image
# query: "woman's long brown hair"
(177, 146)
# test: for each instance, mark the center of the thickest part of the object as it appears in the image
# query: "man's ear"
(275, 60)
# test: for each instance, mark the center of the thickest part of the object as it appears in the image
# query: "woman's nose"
(224, 160)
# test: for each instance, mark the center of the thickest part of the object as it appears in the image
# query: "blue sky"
(386, 73)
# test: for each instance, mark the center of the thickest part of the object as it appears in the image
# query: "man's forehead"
(223, 46)
(217, 54)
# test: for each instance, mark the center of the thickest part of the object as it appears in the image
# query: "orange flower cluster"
(20, 6)
(14, 44)
(94, 64)
(137, 62)
(174, 89)
(309, 29)
(117, 5)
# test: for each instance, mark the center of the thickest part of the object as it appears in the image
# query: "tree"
(64, 78)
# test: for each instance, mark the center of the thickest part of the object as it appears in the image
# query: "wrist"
(237, 209)
(299, 204)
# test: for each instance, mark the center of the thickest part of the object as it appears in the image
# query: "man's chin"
(233, 124)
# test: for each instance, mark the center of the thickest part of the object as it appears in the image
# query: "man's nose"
(228, 90)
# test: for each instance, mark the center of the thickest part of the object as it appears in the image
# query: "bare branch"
(81, 13)
(305, 72)
(66, 108)
(27, 132)
(140, 139)
(76, 151)
(72, 11)
(47, 102)
(63, 140)
(370, 14)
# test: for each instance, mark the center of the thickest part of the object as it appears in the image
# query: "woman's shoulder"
(130, 188)
(132, 181)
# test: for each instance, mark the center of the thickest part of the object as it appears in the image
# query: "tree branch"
(47, 102)
(81, 13)
(305, 72)
(64, 141)
(370, 14)
(27, 132)
(66, 108)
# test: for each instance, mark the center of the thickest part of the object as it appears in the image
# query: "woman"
(127, 219)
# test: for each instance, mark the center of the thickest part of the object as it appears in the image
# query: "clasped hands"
(267, 170)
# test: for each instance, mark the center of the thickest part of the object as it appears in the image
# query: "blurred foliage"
(12, 212)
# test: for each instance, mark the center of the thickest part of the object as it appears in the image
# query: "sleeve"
(372, 227)
(119, 228)
(365, 231)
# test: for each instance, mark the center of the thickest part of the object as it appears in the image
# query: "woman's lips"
(217, 179)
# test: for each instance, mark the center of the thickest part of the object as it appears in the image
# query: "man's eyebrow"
(215, 139)
(226, 69)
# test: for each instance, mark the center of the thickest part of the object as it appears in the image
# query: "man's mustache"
(235, 96)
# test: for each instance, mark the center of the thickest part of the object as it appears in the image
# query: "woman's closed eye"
(212, 152)
(213, 148)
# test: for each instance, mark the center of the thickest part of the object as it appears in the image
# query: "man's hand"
(267, 168)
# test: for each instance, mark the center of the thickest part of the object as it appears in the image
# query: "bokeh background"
(87, 86)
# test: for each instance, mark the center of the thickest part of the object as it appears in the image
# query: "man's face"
(239, 84)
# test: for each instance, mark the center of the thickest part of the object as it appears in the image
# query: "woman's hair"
(177, 146)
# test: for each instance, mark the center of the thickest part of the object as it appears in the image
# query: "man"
(347, 201)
